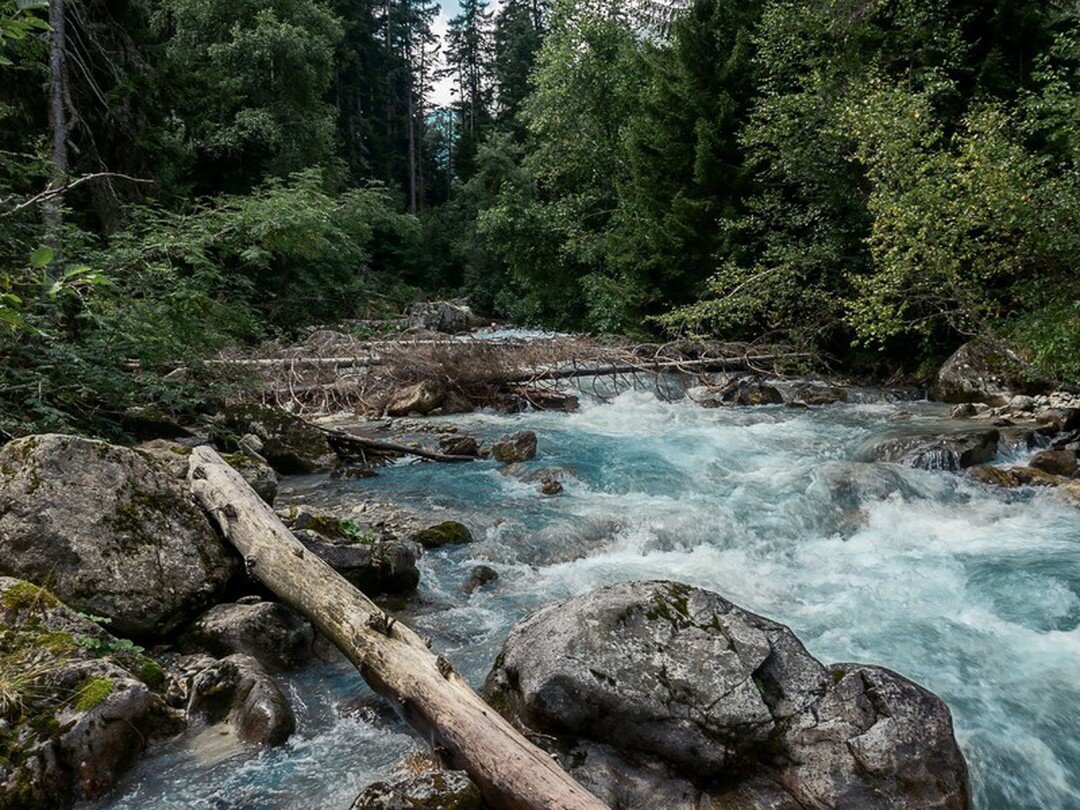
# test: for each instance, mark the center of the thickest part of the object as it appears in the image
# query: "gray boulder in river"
(700, 699)
(982, 370)
(274, 634)
(952, 451)
(442, 316)
(110, 531)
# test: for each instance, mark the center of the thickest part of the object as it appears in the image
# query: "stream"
(973, 593)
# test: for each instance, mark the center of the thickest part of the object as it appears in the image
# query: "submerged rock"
(239, 691)
(1012, 477)
(514, 448)
(731, 700)
(480, 576)
(272, 633)
(983, 370)
(950, 451)
(79, 705)
(111, 532)
(289, 444)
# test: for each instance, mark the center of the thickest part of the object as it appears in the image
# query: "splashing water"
(972, 592)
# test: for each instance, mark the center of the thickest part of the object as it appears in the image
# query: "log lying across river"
(429, 694)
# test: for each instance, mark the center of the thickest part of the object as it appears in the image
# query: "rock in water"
(442, 316)
(983, 370)
(110, 531)
(515, 448)
(79, 704)
(1055, 462)
(682, 677)
(239, 690)
(422, 784)
(272, 633)
(447, 533)
(289, 444)
(950, 451)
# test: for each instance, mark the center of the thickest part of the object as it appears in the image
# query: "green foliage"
(173, 287)
(249, 80)
(17, 21)
(548, 226)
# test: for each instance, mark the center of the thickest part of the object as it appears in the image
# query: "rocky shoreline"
(127, 620)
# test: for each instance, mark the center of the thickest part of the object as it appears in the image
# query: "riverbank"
(821, 491)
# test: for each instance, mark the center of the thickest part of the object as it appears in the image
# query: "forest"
(872, 180)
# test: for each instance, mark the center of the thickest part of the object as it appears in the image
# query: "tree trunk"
(54, 206)
(463, 730)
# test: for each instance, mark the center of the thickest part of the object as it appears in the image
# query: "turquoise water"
(972, 592)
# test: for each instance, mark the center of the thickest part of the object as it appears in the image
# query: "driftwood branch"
(344, 442)
(53, 191)
(468, 734)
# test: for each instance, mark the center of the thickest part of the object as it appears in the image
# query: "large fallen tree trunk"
(463, 730)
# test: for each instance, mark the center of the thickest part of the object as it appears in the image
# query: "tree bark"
(54, 205)
(463, 730)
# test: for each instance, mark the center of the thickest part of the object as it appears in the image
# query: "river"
(973, 593)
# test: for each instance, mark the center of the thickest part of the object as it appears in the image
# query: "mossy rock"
(69, 693)
(447, 533)
(290, 445)
(110, 530)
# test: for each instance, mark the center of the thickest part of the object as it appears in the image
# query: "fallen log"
(429, 694)
(647, 366)
(347, 443)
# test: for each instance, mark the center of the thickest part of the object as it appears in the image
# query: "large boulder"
(442, 316)
(270, 632)
(661, 672)
(943, 451)
(110, 531)
(289, 444)
(79, 704)
(983, 370)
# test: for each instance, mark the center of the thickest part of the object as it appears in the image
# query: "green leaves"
(41, 257)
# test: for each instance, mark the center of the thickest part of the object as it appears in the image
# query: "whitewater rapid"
(972, 592)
